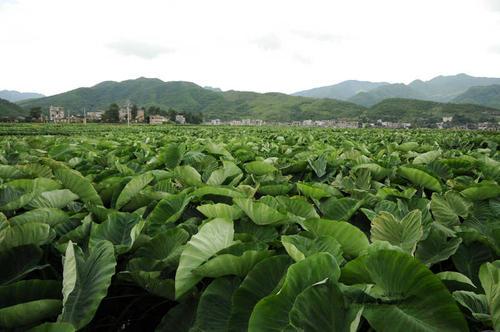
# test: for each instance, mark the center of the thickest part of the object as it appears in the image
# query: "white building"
(447, 119)
(56, 113)
(180, 119)
(215, 122)
(95, 116)
(157, 119)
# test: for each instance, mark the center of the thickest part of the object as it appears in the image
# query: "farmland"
(106, 228)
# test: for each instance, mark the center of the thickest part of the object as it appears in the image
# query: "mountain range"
(440, 89)
(15, 96)
(227, 105)
(11, 110)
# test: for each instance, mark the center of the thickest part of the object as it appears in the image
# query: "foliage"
(261, 229)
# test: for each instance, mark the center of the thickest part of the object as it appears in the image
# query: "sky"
(53, 46)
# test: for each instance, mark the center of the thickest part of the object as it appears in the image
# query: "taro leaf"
(318, 165)
(436, 247)
(161, 251)
(475, 303)
(181, 316)
(187, 175)
(414, 299)
(404, 233)
(298, 207)
(212, 237)
(220, 210)
(228, 170)
(30, 233)
(86, 278)
(19, 261)
(272, 312)
(258, 283)
(469, 257)
(121, 229)
(420, 178)
(172, 154)
(132, 188)
(449, 207)
(322, 307)
(378, 172)
(217, 191)
(427, 157)
(489, 274)
(259, 168)
(168, 210)
(53, 327)
(53, 199)
(299, 247)
(259, 213)
(340, 208)
(28, 302)
(214, 308)
(79, 185)
(154, 283)
(50, 216)
(314, 192)
(455, 280)
(351, 238)
(228, 264)
(481, 191)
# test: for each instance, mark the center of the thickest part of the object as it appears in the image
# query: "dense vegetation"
(10, 110)
(481, 95)
(106, 228)
(440, 89)
(422, 112)
(190, 98)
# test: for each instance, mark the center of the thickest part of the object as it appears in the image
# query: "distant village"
(154, 116)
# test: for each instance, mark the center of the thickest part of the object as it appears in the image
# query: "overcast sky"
(52, 46)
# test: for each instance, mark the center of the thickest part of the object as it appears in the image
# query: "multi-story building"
(140, 116)
(180, 119)
(56, 113)
(157, 119)
(95, 115)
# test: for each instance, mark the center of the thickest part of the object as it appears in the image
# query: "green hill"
(189, 97)
(375, 96)
(11, 110)
(422, 111)
(481, 95)
(341, 91)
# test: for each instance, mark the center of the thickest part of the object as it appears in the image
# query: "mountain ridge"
(15, 96)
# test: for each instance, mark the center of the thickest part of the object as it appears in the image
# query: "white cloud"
(269, 42)
(139, 49)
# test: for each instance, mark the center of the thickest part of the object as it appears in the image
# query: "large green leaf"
(489, 274)
(187, 175)
(121, 229)
(449, 207)
(340, 208)
(413, 298)
(323, 307)
(53, 199)
(404, 233)
(420, 178)
(259, 213)
(212, 237)
(436, 247)
(132, 188)
(272, 312)
(81, 186)
(481, 191)
(50, 216)
(18, 261)
(220, 210)
(259, 168)
(86, 278)
(228, 264)
(258, 283)
(228, 170)
(25, 234)
(172, 154)
(476, 303)
(214, 308)
(168, 210)
(351, 238)
(28, 302)
(299, 247)
(53, 327)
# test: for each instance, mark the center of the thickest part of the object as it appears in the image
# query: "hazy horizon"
(55, 46)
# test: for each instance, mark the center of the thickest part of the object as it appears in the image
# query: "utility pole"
(84, 116)
(128, 113)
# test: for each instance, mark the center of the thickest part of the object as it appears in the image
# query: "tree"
(112, 114)
(36, 113)
(133, 112)
(171, 113)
